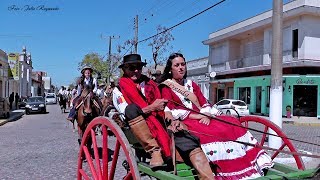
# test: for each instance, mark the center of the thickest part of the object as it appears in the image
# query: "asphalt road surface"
(44, 146)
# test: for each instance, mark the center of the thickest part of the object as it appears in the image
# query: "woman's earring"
(169, 72)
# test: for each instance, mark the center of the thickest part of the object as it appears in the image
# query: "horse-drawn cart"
(113, 157)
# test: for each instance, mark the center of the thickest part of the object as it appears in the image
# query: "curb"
(12, 118)
(2, 122)
(306, 124)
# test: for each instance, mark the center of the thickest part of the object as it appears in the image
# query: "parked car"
(22, 103)
(36, 104)
(232, 107)
(51, 98)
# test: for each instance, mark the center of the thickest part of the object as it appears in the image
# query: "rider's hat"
(85, 68)
(132, 59)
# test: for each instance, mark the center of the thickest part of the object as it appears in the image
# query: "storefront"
(300, 93)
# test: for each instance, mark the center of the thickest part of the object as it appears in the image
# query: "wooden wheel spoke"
(96, 153)
(277, 152)
(114, 160)
(128, 176)
(100, 169)
(278, 132)
(105, 153)
(85, 176)
(89, 160)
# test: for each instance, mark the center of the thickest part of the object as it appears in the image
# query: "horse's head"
(87, 95)
(87, 107)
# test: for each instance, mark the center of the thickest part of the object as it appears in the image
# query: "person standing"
(16, 99)
(11, 99)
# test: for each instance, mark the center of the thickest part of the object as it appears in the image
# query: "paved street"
(297, 132)
(43, 146)
(38, 146)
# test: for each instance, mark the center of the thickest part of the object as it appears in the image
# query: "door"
(305, 100)
(258, 99)
(220, 94)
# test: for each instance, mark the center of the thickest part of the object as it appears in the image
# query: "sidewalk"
(298, 120)
(14, 115)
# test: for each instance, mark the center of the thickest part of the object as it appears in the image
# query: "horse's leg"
(80, 121)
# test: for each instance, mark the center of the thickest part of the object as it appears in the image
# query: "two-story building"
(240, 56)
(37, 86)
(197, 71)
(4, 90)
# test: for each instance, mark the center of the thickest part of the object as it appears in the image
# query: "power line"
(174, 25)
(183, 21)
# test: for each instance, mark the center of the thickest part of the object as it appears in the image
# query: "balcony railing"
(251, 61)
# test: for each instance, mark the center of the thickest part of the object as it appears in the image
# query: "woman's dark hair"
(83, 77)
(167, 70)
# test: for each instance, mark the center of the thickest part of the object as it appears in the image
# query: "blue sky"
(59, 39)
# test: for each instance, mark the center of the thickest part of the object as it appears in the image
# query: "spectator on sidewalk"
(11, 99)
(16, 99)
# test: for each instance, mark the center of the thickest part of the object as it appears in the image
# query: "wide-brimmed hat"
(132, 59)
(85, 68)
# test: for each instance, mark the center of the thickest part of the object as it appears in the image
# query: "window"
(223, 102)
(295, 43)
(244, 94)
(239, 103)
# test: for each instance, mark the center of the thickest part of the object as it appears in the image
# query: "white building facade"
(198, 72)
(4, 90)
(240, 55)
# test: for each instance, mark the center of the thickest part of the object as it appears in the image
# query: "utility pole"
(136, 35)
(109, 56)
(276, 72)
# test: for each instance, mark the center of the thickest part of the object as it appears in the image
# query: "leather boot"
(142, 132)
(201, 164)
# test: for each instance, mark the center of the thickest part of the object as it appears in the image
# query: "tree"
(160, 44)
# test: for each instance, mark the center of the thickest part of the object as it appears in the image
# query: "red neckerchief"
(132, 94)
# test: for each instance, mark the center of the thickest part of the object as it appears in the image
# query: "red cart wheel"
(100, 163)
(264, 125)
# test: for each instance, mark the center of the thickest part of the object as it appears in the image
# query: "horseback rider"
(86, 81)
(62, 95)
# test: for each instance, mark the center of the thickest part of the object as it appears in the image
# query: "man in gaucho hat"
(145, 115)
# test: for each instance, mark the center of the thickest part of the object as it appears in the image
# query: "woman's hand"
(205, 121)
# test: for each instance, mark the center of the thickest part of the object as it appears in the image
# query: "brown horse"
(88, 107)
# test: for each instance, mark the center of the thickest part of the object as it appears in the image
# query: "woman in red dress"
(233, 160)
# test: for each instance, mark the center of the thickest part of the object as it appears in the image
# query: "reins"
(82, 101)
(249, 144)
(262, 147)
(221, 120)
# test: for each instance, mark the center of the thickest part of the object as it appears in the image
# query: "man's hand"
(159, 104)
(176, 126)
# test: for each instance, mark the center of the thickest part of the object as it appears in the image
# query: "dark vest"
(90, 85)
